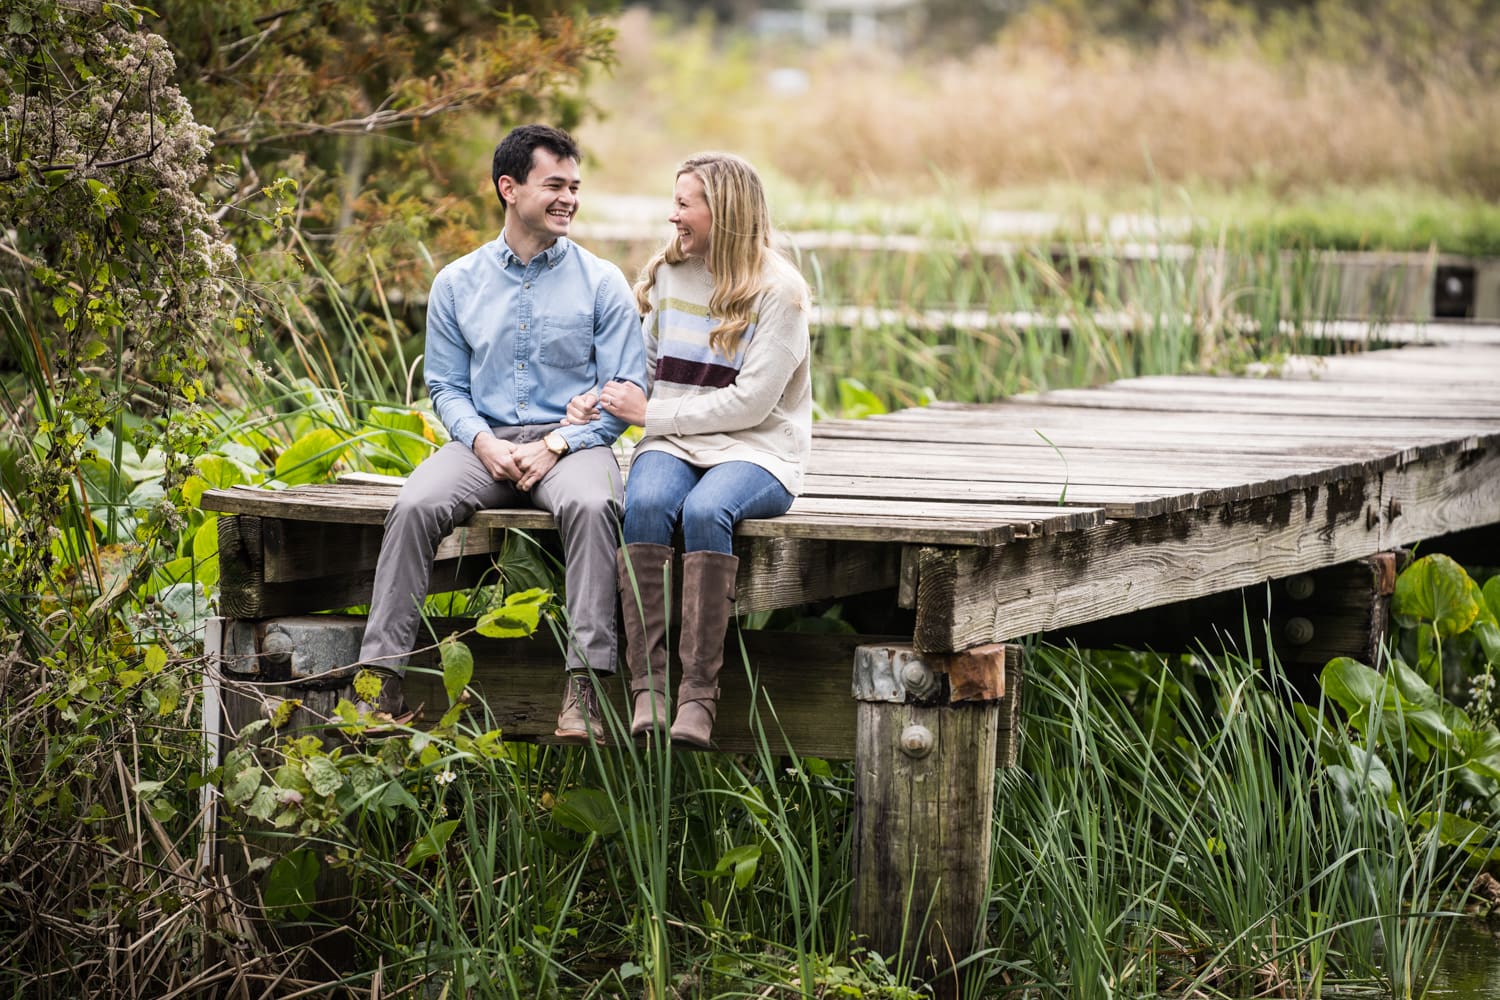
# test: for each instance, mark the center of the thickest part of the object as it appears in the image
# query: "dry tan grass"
(1027, 113)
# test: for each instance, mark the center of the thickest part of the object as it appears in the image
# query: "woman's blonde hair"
(739, 248)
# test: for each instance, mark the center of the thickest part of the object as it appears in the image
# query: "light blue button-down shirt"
(509, 343)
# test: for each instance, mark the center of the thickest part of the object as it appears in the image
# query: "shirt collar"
(552, 255)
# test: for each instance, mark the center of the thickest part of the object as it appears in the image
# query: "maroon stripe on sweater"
(670, 369)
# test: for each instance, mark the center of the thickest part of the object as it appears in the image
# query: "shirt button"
(528, 284)
(523, 406)
(523, 326)
(521, 365)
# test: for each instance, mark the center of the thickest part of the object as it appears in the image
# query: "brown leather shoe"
(391, 712)
(580, 720)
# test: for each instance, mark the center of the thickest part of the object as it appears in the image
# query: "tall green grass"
(1175, 828)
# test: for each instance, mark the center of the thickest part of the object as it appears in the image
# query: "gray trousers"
(582, 491)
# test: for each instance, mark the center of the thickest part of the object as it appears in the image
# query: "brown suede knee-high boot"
(643, 572)
(707, 601)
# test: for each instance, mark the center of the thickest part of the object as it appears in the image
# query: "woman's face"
(691, 216)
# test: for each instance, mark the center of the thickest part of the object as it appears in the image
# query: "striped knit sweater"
(707, 409)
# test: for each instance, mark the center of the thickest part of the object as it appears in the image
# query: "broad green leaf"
(291, 884)
(1357, 688)
(168, 690)
(243, 784)
(263, 803)
(1487, 625)
(1491, 594)
(1481, 750)
(156, 660)
(458, 668)
(1488, 634)
(1478, 841)
(586, 810)
(1414, 687)
(403, 438)
(739, 862)
(206, 547)
(1436, 589)
(431, 843)
(1352, 685)
(323, 775)
(743, 860)
(517, 617)
(221, 472)
(310, 457)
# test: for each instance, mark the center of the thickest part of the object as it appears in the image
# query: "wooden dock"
(950, 531)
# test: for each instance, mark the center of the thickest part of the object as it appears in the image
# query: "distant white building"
(863, 22)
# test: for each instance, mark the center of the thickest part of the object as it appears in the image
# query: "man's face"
(543, 206)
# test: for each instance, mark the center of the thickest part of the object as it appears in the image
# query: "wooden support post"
(926, 747)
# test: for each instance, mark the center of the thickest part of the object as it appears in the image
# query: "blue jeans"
(663, 490)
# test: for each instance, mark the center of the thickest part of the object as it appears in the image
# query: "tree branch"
(91, 164)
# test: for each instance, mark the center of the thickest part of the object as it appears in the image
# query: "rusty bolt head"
(916, 741)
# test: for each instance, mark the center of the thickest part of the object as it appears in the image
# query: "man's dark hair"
(513, 155)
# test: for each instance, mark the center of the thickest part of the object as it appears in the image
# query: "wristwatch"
(556, 443)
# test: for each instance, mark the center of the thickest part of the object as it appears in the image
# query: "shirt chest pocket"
(567, 341)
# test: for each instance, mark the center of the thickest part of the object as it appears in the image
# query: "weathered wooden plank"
(874, 527)
(1192, 487)
(1105, 464)
(1052, 409)
(1106, 397)
(1114, 501)
(348, 503)
(1447, 365)
(1456, 493)
(1233, 438)
(966, 597)
(938, 505)
(1348, 389)
(857, 520)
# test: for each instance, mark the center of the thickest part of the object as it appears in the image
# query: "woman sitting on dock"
(728, 428)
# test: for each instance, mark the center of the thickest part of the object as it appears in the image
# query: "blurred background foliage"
(1357, 126)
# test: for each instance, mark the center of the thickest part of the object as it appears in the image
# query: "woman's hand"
(582, 408)
(625, 400)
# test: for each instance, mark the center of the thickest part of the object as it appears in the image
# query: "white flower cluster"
(97, 168)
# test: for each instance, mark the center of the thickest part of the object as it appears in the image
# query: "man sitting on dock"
(515, 329)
